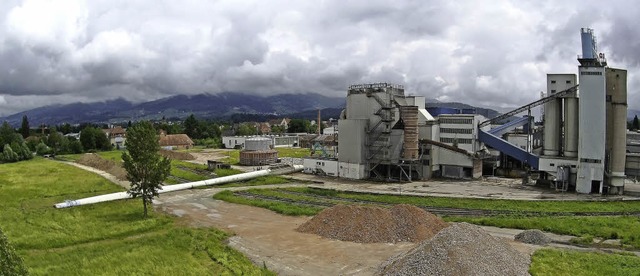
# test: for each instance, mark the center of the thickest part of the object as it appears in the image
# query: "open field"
(109, 238)
(308, 201)
(565, 262)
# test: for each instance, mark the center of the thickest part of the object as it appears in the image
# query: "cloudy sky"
(486, 53)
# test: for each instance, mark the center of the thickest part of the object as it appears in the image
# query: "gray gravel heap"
(460, 249)
(533, 236)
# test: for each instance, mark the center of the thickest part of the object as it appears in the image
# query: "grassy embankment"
(106, 238)
(233, 156)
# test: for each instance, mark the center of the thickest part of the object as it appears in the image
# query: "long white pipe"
(173, 188)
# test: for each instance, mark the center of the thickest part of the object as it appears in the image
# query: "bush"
(42, 149)
(8, 155)
(10, 262)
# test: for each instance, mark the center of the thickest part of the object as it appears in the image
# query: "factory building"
(580, 144)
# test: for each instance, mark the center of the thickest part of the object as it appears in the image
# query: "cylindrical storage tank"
(258, 157)
(409, 115)
(258, 143)
(588, 43)
(571, 127)
(552, 117)
(617, 89)
(437, 111)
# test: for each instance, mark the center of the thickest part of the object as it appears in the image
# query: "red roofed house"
(175, 141)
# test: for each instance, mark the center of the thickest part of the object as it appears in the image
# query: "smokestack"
(319, 123)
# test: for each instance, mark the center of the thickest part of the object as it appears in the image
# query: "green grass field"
(565, 262)
(107, 238)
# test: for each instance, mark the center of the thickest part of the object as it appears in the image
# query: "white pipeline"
(177, 187)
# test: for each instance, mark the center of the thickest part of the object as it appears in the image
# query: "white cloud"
(492, 53)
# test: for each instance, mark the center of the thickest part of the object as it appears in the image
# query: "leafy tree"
(42, 149)
(277, 129)
(24, 129)
(191, 127)
(146, 168)
(246, 130)
(8, 134)
(65, 128)
(636, 124)
(75, 146)
(8, 155)
(94, 139)
(10, 262)
(298, 125)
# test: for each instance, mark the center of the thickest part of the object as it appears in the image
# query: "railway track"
(329, 201)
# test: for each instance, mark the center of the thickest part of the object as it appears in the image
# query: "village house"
(175, 141)
(117, 136)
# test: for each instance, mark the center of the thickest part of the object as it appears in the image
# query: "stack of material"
(368, 224)
(460, 249)
(533, 236)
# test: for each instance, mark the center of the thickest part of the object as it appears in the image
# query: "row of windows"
(456, 130)
(568, 82)
(455, 121)
(452, 140)
(591, 73)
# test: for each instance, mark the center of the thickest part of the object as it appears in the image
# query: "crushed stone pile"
(177, 155)
(369, 224)
(533, 236)
(460, 249)
(95, 161)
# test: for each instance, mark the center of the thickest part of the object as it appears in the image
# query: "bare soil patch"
(177, 155)
(95, 161)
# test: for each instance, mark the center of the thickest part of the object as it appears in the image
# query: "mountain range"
(206, 106)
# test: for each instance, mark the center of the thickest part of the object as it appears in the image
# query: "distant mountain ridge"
(179, 106)
(221, 106)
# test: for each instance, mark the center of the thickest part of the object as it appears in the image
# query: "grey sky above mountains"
(485, 53)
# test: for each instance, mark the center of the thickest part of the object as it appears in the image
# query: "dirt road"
(265, 236)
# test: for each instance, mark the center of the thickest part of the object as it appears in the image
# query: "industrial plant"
(384, 134)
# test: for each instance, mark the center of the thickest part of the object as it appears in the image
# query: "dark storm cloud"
(490, 53)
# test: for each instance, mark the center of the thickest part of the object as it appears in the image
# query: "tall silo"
(616, 127)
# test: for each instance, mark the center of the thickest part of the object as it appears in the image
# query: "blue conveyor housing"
(499, 131)
(508, 148)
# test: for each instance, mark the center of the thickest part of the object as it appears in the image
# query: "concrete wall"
(592, 129)
(352, 170)
(351, 141)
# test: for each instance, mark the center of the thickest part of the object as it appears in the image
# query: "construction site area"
(411, 191)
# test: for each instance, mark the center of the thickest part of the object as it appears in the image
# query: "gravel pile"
(460, 249)
(368, 224)
(95, 161)
(533, 236)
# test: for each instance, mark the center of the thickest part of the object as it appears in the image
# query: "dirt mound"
(533, 236)
(177, 155)
(95, 161)
(460, 249)
(368, 224)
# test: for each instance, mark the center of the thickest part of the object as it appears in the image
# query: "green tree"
(191, 127)
(42, 149)
(8, 155)
(298, 125)
(87, 138)
(146, 168)
(24, 129)
(10, 262)
(7, 134)
(75, 146)
(636, 124)
(246, 130)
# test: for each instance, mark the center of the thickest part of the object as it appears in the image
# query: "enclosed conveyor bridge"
(493, 137)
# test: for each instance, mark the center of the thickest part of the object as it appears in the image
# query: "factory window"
(553, 81)
(608, 98)
(568, 81)
(553, 91)
(456, 130)
(591, 73)
(452, 140)
(455, 121)
(587, 160)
